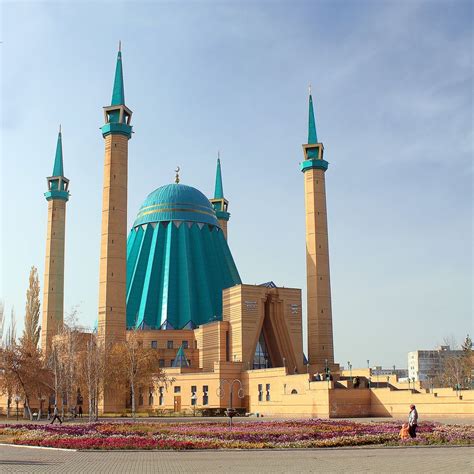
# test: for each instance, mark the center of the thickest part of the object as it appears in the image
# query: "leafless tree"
(31, 332)
(135, 367)
(92, 369)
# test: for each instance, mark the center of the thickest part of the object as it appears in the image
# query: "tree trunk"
(132, 388)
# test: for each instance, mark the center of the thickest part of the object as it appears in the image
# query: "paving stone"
(381, 460)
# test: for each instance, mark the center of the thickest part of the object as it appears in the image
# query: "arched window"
(294, 392)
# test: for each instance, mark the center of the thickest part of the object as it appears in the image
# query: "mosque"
(173, 278)
(174, 281)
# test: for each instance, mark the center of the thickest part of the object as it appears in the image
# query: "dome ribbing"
(178, 261)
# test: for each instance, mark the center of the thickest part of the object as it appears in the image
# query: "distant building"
(425, 365)
(400, 373)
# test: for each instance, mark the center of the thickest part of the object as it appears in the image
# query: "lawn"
(314, 433)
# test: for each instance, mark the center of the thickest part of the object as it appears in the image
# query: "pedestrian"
(317, 377)
(56, 415)
(412, 421)
(49, 412)
(80, 411)
(405, 431)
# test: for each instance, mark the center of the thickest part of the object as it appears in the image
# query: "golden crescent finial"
(176, 180)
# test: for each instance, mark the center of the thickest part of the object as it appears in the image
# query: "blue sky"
(392, 85)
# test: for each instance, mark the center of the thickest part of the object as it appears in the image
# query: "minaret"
(320, 338)
(219, 202)
(53, 291)
(113, 258)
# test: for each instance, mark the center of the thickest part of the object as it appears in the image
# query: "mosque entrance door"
(177, 404)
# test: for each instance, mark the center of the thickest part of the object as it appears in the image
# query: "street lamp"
(17, 400)
(350, 369)
(368, 363)
(230, 412)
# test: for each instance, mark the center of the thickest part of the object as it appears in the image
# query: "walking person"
(56, 416)
(80, 411)
(412, 421)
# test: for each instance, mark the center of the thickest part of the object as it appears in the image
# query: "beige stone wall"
(211, 343)
(250, 308)
(177, 337)
(113, 254)
(320, 332)
(53, 286)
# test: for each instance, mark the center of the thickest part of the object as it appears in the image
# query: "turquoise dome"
(176, 202)
(178, 261)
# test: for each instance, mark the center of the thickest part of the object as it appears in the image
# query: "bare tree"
(456, 365)
(2, 321)
(92, 370)
(135, 367)
(32, 330)
(11, 334)
(24, 372)
(64, 362)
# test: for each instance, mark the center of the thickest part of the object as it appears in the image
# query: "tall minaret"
(320, 338)
(219, 202)
(53, 291)
(113, 257)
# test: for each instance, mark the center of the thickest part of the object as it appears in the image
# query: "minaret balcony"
(313, 154)
(58, 188)
(117, 120)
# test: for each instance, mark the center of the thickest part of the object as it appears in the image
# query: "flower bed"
(312, 433)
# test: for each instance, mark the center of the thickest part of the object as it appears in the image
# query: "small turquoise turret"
(180, 360)
(117, 116)
(313, 150)
(219, 202)
(58, 185)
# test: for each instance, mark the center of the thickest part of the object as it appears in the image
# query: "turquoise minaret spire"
(118, 94)
(219, 202)
(313, 150)
(218, 190)
(58, 160)
(118, 115)
(312, 135)
(58, 185)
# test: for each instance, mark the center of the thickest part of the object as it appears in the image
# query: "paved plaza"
(422, 459)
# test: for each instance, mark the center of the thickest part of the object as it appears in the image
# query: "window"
(177, 389)
(150, 396)
(205, 397)
(184, 344)
(154, 344)
(193, 394)
(140, 398)
(161, 396)
(260, 392)
(261, 359)
(169, 344)
(161, 363)
(267, 389)
(294, 392)
(171, 362)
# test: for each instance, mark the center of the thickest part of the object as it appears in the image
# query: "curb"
(344, 448)
(38, 447)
